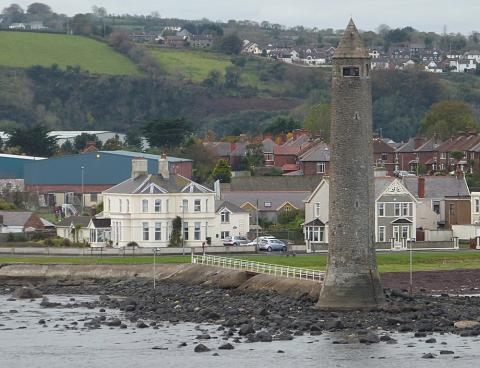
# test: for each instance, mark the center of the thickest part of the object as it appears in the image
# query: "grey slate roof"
(101, 222)
(273, 183)
(151, 184)
(319, 152)
(83, 221)
(219, 204)
(438, 186)
(429, 146)
(268, 145)
(276, 198)
(381, 183)
(15, 218)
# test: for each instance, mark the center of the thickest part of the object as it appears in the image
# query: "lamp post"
(83, 169)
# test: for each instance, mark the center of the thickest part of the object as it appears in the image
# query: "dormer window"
(351, 71)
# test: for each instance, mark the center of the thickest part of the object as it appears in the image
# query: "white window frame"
(145, 231)
(184, 205)
(120, 205)
(405, 232)
(316, 209)
(267, 204)
(381, 209)
(158, 231)
(158, 205)
(185, 231)
(128, 205)
(225, 217)
(321, 167)
(382, 232)
(397, 208)
(477, 205)
(145, 205)
(197, 205)
(224, 234)
(406, 209)
(197, 230)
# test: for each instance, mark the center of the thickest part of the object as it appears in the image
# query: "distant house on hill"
(17, 26)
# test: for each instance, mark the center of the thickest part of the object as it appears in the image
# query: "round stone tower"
(352, 280)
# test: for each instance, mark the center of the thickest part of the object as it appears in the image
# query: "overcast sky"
(426, 15)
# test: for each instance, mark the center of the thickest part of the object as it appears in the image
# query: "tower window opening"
(351, 71)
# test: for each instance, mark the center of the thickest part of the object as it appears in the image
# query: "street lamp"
(83, 202)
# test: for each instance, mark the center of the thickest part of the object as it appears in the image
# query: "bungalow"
(74, 228)
(19, 222)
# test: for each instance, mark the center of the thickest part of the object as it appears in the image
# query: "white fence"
(259, 267)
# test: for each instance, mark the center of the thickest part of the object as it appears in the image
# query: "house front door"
(397, 237)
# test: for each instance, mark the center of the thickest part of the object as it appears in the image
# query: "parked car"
(272, 244)
(260, 238)
(235, 240)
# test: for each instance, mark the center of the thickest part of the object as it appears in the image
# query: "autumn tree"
(448, 118)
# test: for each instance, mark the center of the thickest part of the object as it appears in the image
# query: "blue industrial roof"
(12, 166)
(97, 168)
(145, 155)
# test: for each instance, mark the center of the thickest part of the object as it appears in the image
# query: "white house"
(230, 220)
(17, 26)
(143, 207)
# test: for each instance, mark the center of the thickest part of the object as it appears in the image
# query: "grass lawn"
(388, 262)
(25, 49)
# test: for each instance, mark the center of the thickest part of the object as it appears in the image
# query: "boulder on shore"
(465, 324)
(27, 293)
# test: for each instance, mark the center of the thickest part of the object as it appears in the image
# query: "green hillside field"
(195, 65)
(25, 49)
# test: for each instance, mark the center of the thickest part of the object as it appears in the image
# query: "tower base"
(345, 291)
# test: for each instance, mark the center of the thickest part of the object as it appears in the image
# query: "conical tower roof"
(351, 45)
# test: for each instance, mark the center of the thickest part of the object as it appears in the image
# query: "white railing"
(259, 267)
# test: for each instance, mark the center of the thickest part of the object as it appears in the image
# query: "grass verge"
(391, 262)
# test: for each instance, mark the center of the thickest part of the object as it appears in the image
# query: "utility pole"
(83, 202)
(256, 218)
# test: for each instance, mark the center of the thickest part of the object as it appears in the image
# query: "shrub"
(67, 242)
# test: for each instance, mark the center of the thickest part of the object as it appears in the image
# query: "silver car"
(272, 244)
(235, 240)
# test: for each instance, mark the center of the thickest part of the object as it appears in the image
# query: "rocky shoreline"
(256, 316)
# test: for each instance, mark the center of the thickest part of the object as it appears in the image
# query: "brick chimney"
(421, 187)
(418, 141)
(90, 146)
